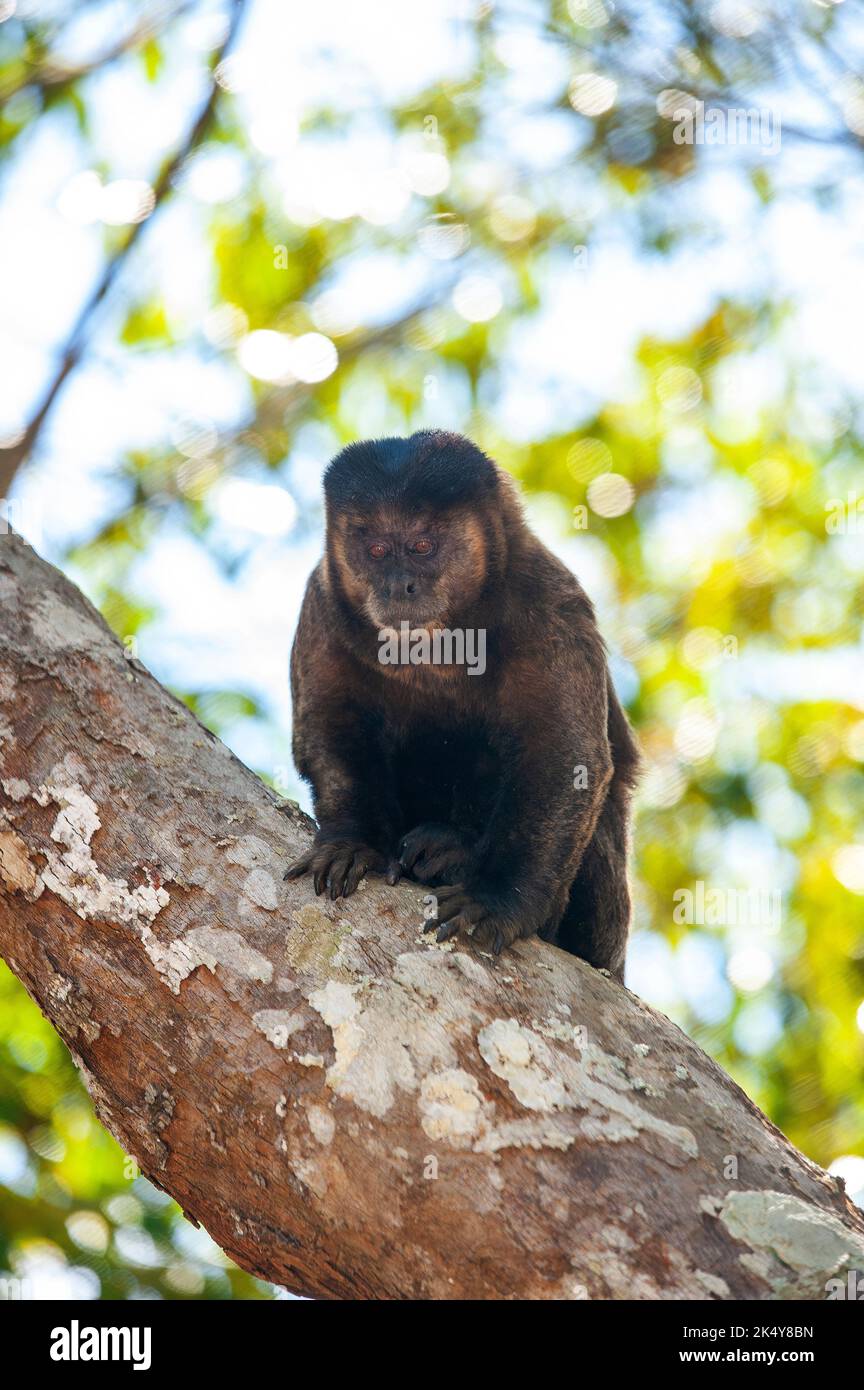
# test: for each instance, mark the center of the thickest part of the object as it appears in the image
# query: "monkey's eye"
(424, 546)
(378, 550)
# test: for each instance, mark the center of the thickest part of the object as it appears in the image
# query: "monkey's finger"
(469, 919)
(430, 920)
(410, 850)
(459, 902)
(353, 877)
(394, 871)
(494, 940)
(339, 870)
(299, 867)
(451, 890)
(446, 930)
(322, 869)
(491, 936)
(443, 864)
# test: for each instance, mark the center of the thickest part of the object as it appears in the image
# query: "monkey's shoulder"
(548, 602)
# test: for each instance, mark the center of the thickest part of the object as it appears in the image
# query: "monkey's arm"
(552, 725)
(340, 750)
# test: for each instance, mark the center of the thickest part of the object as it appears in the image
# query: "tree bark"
(351, 1110)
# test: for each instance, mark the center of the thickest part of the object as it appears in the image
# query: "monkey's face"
(422, 569)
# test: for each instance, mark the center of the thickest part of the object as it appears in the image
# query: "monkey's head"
(414, 527)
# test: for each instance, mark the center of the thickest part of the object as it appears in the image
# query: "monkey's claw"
(484, 920)
(338, 866)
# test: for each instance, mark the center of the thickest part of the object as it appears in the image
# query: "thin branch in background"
(52, 76)
(12, 457)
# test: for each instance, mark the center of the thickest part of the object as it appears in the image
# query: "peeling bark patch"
(78, 819)
(596, 1083)
(208, 946)
(8, 686)
(73, 874)
(212, 946)
(553, 1028)
(793, 1246)
(321, 1123)
(250, 852)
(312, 1175)
(387, 1037)
(16, 788)
(451, 1106)
(16, 871)
(174, 961)
(524, 1061)
(617, 1114)
(527, 1134)
(712, 1285)
(260, 889)
(309, 1059)
(337, 1005)
(277, 1025)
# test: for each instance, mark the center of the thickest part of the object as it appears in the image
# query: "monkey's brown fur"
(462, 782)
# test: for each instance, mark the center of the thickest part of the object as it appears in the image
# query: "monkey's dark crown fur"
(430, 468)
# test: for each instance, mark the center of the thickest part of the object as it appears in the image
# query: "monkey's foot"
(433, 853)
(339, 865)
(479, 915)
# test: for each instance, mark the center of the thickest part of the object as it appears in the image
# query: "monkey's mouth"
(412, 615)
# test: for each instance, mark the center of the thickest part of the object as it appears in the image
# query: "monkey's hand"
(433, 853)
(486, 917)
(338, 864)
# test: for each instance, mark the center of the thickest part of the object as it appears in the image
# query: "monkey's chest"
(446, 774)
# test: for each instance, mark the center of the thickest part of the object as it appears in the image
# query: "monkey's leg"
(540, 825)
(596, 920)
(340, 752)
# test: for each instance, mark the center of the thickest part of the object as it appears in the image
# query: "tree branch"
(352, 1111)
(15, 454)
(54, 74)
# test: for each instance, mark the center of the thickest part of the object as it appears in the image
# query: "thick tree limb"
(350, 1110)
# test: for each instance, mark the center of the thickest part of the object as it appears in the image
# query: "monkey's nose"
(410, 588)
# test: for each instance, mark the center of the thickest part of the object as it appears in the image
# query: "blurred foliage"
(694, 505)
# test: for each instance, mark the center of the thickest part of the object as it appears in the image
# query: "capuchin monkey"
(504, 785)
